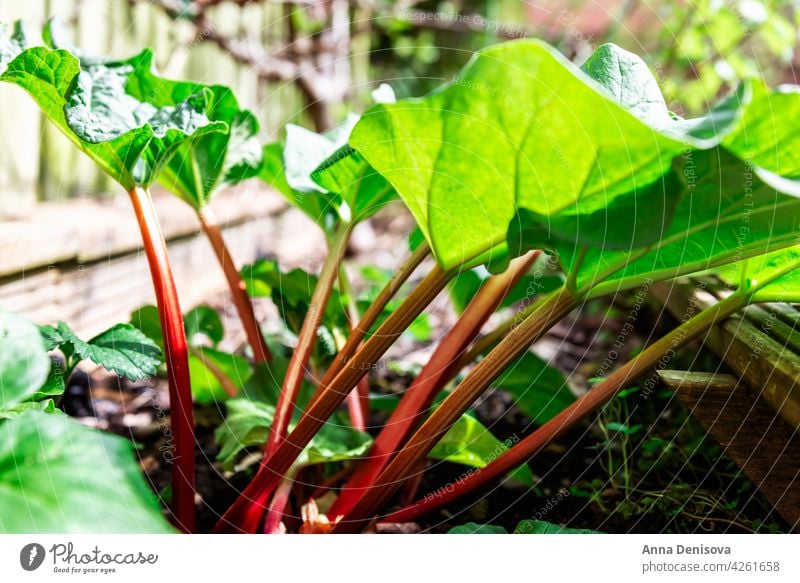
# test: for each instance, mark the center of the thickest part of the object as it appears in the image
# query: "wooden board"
(765, 447)
(758, 348)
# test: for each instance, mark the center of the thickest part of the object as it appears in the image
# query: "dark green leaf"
(61, 477)
(205, 367)
(24, 363)
(542, 527)
(475, 528)
(247, 424)
(468, 442)
(205, 322)
(540, 391)
(147, 320)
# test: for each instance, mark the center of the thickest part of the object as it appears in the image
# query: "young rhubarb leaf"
(122, 349)
(247, 424)
(24, 364)
(468, 442)
(325, 178)
(61, 477)
(540, 391)
(202, 166)
(317, 207)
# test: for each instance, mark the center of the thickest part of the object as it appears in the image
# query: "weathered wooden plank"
(94, 295)
(753, 435)
(758, 359)
(85, 230)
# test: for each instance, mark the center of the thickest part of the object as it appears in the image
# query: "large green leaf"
(60, 477)
(24, 364)
(126, 133)
(728, 214)
(519, 127)
(468, 442)
(592, 157)
(123, 349)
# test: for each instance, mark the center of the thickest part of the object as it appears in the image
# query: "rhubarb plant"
(536, 185)
(513, 156)
(124, 117)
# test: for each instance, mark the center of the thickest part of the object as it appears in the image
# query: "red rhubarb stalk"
(306, 338)
(246, 512)
(568, 418)
(412, 407)
(236, 285)
(177, 359)
(551, 310)
(358, 399)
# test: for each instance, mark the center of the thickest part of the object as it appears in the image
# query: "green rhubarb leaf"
(247, 424)
(475, 528)
(210, 162)
(348, 174)
(24, 364)
(61, 477)
(468, 442)
(592, 157)
(540, 391)
(542, 527)
(103, 106)
(129, 134)
(728, 213)
(122, 349)
(519, 127)
(316, 206)
(323, 176)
